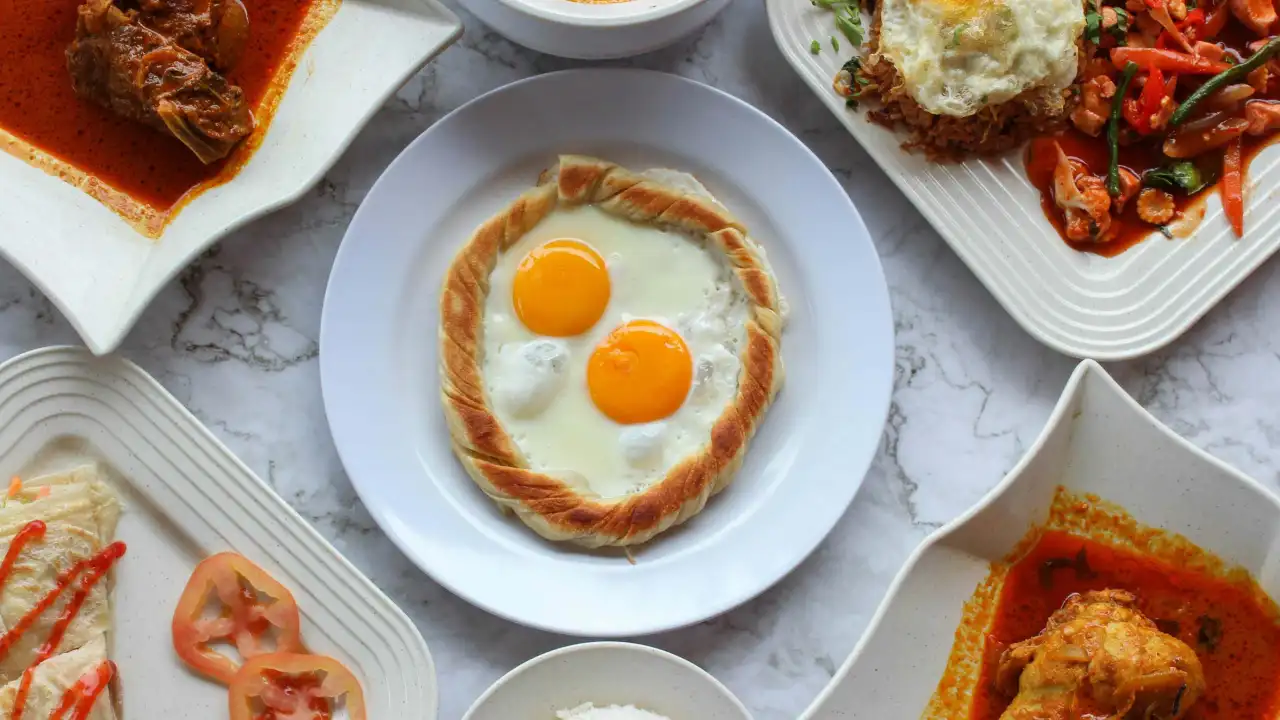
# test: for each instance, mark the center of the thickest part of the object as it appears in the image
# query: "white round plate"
(608, 673)
(378, 351)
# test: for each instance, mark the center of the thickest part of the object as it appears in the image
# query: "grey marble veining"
(236, 339)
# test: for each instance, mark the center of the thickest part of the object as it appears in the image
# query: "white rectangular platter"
(101, 273)
(186, 496)
(1077, 303)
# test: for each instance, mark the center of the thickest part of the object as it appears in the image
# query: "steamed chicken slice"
(1098, 656)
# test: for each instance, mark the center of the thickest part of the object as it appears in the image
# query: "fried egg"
(958, 56)
(610, 348)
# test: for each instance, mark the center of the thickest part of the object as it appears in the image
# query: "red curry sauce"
(1236, 639)
(1041, 158)
(38, 105)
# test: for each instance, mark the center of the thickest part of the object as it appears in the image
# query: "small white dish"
(1099, 441)
(595, 31)
(378, 359)
(608, 673)
(185, 496)
(989, 213)
(102, 274)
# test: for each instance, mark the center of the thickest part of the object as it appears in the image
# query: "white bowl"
(1098, 440)
(101, 273)
(608, 673)
(588, 31)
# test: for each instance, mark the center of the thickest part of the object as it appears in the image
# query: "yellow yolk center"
(561, 288)
(640, 373)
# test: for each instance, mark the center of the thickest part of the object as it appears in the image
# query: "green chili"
(1113, 128)
(1222, 79)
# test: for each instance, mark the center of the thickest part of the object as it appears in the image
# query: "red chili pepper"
(1233, 187)
(1215, 21)
(1153, 92)
(1166, 60)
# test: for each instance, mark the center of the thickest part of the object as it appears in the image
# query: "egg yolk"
(561, 288)
(640, 373)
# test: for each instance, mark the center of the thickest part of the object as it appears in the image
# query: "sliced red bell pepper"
(1168, 60)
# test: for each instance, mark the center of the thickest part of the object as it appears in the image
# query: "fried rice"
(944, 138)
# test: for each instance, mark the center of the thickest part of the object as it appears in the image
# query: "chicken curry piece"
(124, 61)
(1098, 656)
(1085, 630)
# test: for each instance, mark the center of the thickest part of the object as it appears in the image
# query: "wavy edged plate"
(186, 496)
(1098, 440)
(1077, 303)
(378, 352)
(102, 274)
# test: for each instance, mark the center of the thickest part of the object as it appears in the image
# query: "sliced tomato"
(251, 608)
(292, 686)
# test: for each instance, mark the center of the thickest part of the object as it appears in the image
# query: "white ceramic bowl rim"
(587, 14)
(605, 645)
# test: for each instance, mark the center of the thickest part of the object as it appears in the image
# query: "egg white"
(538, 385)
(958, 56)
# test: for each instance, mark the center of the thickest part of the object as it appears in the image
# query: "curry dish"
(1097, 616)
(145, 103)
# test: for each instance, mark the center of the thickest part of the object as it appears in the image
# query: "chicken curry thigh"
(1099, 657)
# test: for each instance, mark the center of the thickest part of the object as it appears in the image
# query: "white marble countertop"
(235, 339)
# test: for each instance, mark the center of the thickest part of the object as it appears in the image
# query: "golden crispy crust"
(552, 507)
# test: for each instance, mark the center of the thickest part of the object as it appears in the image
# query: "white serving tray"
(1099, 441)
(1077, 303)
(101, 273)
(186, 496)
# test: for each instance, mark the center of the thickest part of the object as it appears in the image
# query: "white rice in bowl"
(588, 711)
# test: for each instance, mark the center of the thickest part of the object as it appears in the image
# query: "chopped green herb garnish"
(848, 17)
(955, 36)
(1093, 27)
(1120, 31)
(815, 47)
(851, 103)
(852, 66)
(835, 44)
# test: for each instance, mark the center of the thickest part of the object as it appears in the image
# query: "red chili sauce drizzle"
(85, 574)
(1236, 639)
(79, 698)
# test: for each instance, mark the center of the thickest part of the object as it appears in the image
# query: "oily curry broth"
(38, 106)
(1237, 641)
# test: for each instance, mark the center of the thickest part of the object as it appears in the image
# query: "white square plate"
(186, 496)
(101, 273)
(1099, 441)
(1077, 303)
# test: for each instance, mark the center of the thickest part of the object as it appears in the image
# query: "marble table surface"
(235, 339)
